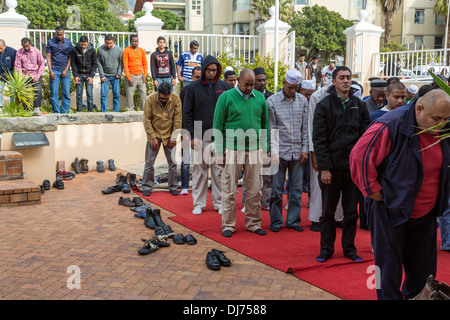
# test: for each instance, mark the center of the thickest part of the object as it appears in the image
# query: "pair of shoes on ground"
(198, 210)
(153, 244)
(64, 175)
(80, 165)
(101, 167)
(228, 233)
(215, 259)
(277, 229)
(323, 257)
(181, 239)
(121, 184)
(146, 193)
(127, 202)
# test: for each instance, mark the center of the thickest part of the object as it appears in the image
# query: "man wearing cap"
(377, 97)
(340, 119)
(410, 93)
(288, 114)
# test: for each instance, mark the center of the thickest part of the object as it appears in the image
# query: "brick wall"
(11, 165)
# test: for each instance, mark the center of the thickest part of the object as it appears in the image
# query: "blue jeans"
(104, 91)
(444, 226)
(54, 91)
(2, 85)
(84, 82)
(295, 172)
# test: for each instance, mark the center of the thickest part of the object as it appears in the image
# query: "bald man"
(405, 177)
(241, 124)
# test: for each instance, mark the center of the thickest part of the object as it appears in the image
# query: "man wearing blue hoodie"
(7, 59)
(198, 111)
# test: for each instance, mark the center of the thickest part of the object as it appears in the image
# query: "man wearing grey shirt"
(288, 113)
(109, 58)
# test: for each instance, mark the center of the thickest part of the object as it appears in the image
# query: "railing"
(414, 64)
(355, 55)
(39, 38)
(234, 46)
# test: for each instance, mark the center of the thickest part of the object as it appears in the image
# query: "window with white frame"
(301, 2)
(243, 28)
(438, 20)
(197, 7)
(438, 41)
(242, 5)
(419, 16)
(418, 40)
(356, 3)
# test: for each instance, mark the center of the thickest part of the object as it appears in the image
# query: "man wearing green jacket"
(241, 124)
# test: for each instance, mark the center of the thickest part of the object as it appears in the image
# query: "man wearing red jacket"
(405, 179)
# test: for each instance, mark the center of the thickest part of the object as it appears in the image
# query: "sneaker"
(46, 184)
(243, 210)
(184, 192)
(64, 175)
(84, 165)
(58, 184)
(219, 211)
(197, 210)
(37, 112)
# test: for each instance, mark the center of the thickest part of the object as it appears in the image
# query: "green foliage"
(320, 29)
(171, 20)
(393, 46)
(94, 15)
(21, 93)
(262, 7)
(266, 62)
(136, 98)
(46, 95)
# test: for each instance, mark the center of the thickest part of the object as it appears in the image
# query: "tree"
(389, 7)
(441, 8)
(261, 7)
(319, 29)
(91, 15)
(171, 20)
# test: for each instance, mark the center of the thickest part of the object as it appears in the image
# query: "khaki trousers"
(203, 162)
(130, 89)
(251, 162)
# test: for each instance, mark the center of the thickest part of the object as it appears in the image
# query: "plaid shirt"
(290, 118)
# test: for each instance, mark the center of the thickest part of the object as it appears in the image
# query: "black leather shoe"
(212, 261)
(126, 202)
(100, 167)
(112, 189)
(46, 184)
(149, 221)
(111, 165)
(170, 233)
(174, 192)
(224, 261)
(157, 217)
(138, 201)
(125, 188)
(58, 184)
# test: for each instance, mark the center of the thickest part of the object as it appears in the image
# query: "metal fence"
(412, 64)
(234, 46)
(39, 38)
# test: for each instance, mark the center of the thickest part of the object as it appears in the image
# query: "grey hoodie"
(109, 61)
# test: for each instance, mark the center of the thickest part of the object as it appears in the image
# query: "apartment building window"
(197, 7)
(243, 28)
(356, 3)
(438, 20)
(438, 42)
(418, 40)
(419, 16)
(301, 2)
(242, 4)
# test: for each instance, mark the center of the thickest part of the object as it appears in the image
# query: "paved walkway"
(43, 247)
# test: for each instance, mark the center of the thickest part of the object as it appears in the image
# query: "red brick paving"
(79, 226)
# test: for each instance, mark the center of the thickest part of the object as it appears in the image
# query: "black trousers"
(341, 183)
(410, 248)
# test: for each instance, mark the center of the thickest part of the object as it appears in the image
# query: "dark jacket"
(336, 131)
(162, 64)
(401, 173)
(7, 59)
(84, 64)
(200, 99)
(318, 72)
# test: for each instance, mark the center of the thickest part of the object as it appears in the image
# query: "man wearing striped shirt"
(187, 61)
(288, 114)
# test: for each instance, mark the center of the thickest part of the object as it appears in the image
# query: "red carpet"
(289, 250)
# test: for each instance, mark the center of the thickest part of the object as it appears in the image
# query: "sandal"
(148, 247)
(190, 239)
(179, 239)
(160, 241)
